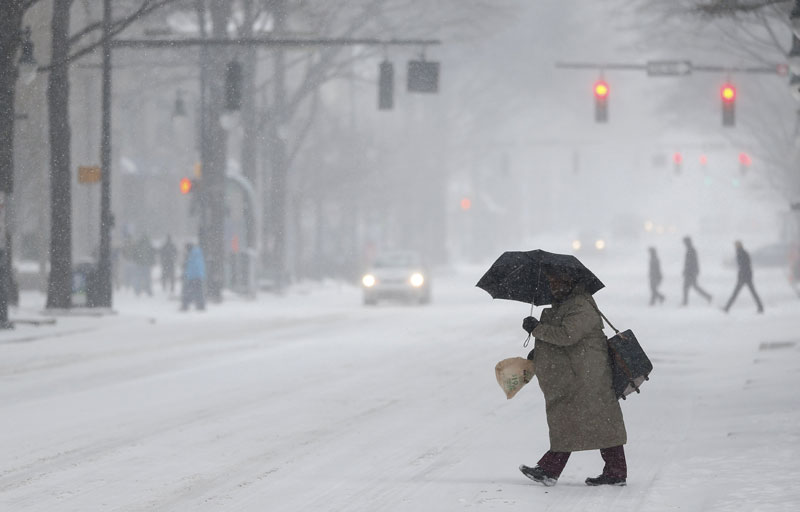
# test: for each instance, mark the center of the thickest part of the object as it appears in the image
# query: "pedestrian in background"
(194, 274)
(168, 254)
(145, 259)
(744, 277)
(655, 278)
(691, 269)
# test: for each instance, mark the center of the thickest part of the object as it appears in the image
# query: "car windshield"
(397, 259)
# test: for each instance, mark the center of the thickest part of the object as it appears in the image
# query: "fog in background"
(506, 156)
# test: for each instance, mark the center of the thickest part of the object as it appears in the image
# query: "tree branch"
(304, 130)
(732, 7)
(117, 26)
(147, 7)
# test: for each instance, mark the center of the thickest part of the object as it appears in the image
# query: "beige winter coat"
(572, 365)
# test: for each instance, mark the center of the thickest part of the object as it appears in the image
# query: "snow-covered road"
(313, 402)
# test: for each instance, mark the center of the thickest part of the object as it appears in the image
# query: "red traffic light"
(466, 204)
(703, 159)
(745, 159)
(677, 158)
(186, 185)
(601, 89)
(728, 92)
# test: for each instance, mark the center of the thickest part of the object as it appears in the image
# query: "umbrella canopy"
(521, 276)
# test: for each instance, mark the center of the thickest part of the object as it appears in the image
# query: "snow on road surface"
(313, 402)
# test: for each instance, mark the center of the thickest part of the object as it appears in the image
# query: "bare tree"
(11, 13)
(755, 32)
(66, 48)
(293, 90)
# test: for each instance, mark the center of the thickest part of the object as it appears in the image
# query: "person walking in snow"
(168, 254)
(655, 278)
(570, 355)
(691, 269)
(194, 274)
(744, 277)
(145, 258)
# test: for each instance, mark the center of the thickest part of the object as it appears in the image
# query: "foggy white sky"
(552, 119)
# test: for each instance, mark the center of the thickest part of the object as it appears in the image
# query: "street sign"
(669, 67)
(88, 174)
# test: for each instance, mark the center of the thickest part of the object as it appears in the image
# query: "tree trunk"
(10, 24)
(59, 286)
(213, 239)
(278, 155)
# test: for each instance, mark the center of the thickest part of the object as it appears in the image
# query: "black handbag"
(630, 366)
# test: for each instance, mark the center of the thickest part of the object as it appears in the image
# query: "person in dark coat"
(570, 356)
(691, 269)
(655, 278)
(168, 254)
(744, 277)
(145, 258)
(194, 274)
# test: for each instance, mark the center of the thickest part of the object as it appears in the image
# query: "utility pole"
(102, 282)
(279, 167)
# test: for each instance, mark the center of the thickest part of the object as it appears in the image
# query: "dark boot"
(606, 480)
(539, 475)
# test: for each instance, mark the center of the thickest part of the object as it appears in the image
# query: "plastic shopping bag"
(512, 374)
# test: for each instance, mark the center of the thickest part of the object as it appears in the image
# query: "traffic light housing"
(233, 86)
(423, 76)
(728, 96)
(601, 91)
(386, 86)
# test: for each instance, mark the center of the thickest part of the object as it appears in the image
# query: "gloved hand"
(529, 324)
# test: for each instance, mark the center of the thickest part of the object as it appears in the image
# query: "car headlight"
(368, 280)
(600, 244)
(576, 245)
(416, 280)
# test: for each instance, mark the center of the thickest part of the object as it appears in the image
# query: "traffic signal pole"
(101, 285)
(674, 67)
(657, 68)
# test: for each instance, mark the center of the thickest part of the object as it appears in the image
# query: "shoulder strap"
(603, 316)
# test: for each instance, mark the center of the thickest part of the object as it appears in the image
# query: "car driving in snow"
(397, 275)
(588, 241)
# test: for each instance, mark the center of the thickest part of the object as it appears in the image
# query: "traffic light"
(677, 159)
(386, 86)
(601, 101)
(186, 186)
(703, 160)
(423, 76)
(728, 95)
(233, 86)
(466, 203)
(744, 162)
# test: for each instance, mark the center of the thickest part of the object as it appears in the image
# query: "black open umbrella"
(521, 276)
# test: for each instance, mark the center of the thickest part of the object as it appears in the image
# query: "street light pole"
(103, 278)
